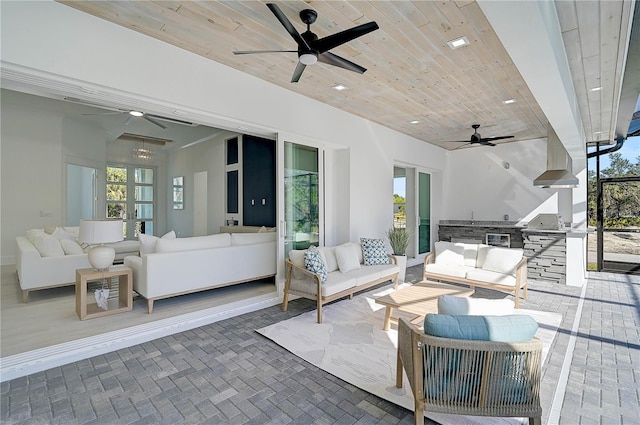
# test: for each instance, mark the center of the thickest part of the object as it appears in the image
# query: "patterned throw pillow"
(374, 252)
(314, 263)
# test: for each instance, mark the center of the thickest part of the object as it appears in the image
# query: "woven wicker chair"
(463, 377)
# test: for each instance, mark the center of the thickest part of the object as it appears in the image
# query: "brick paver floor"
(226, 373)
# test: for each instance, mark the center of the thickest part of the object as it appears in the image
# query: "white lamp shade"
(100, 231)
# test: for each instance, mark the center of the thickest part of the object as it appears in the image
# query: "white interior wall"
(31, 173)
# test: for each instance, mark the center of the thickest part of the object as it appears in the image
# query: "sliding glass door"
(301, 197)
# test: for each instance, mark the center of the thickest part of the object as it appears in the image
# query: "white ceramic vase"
(401, 261)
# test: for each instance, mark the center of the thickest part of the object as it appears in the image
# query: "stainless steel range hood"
(558, 174)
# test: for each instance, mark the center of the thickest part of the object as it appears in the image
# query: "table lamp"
(99, 232)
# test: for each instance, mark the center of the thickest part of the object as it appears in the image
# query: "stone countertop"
(475, 223)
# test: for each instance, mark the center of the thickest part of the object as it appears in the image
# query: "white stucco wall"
(477, 181)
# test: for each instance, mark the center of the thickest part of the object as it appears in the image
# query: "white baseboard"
(24, 364)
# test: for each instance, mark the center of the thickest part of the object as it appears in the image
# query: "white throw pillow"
(502, 260)
(71, 247)
(450, 304)
(329, 256)
(448, 253)
(148, 242)
(47, 245)
(347, 257)
(60, 233)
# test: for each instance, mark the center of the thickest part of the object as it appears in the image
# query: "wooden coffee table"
(419, 299)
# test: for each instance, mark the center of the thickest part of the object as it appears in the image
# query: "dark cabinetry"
(259, 182)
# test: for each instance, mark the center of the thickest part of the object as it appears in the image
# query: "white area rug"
(351, 345)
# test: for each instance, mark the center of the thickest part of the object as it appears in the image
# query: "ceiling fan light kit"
(312, 49)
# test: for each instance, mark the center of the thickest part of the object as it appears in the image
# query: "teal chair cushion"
(510, 328)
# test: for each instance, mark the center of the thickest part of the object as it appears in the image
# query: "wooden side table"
(125, 291)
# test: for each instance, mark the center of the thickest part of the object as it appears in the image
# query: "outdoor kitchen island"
(552, 254)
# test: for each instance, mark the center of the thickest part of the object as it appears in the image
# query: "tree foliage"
(621, 201)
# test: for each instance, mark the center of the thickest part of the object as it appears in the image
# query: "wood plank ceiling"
(413, 75)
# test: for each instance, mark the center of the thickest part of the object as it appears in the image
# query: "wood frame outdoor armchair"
(468, 377)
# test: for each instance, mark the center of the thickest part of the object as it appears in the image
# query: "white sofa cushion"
(449, 270)
(220, 240)
(347, 256)
(148, 242)
(449, 254)
(491, 277)
(502, 260)
(358, 249)
(329, 256)
(70, 247)
(47, 245)
(60, 233)
(252, 238)
(452, 305)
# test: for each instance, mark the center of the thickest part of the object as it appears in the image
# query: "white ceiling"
(412, 73)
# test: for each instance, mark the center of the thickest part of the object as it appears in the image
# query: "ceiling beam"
(539, 54)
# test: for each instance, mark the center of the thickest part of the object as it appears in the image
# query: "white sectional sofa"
(503, 269)
(346, 274)
(47, 259)
(184, 265)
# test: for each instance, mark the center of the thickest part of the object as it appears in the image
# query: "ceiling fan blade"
(488, 139)
(335, 60)
(297, 73)
(485, 143)
(128, 121)
(106, 113)
(334, 40)
(151, 120)
(250, 52)
(286, 23)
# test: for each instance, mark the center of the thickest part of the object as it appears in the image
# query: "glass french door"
(424, 212)
(301, 197)
(130, 196)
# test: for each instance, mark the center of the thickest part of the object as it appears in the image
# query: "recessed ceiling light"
(340, 87)
(414, 122)
(458, 42)
(136, 113)
(597, 132)
(596, 89)
(509, 101)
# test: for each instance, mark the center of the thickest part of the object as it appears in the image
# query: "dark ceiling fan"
(311, 49)
(477, 139)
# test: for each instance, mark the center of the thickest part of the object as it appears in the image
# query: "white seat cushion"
(491, 277)
(448, 270)
(335, 283)
(364, 274)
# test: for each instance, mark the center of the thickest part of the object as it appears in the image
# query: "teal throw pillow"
(374, 252)
(314, 262)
